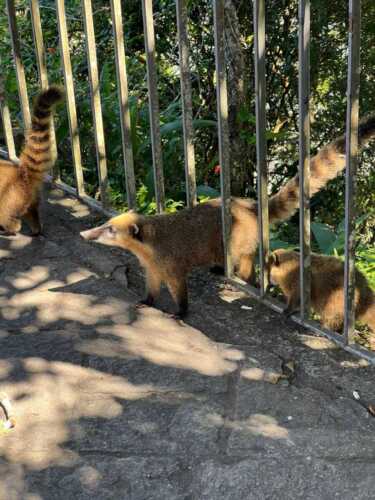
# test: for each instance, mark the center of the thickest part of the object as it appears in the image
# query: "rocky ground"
(111, 402)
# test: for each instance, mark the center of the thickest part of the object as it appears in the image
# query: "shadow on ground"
(114, 402)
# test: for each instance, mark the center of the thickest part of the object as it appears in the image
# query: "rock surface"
(112, 402)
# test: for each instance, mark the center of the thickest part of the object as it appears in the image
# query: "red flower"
(217, 169)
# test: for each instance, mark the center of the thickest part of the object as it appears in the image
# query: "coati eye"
(111, 230)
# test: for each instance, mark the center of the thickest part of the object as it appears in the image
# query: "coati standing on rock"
(168, 246)
(20, 184)
(327, 288)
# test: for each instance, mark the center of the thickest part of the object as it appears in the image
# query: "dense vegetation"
(328, 102)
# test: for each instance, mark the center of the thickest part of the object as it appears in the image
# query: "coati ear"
(134, 230)
(274, 259)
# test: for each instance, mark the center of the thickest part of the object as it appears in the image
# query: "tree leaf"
(324, 236)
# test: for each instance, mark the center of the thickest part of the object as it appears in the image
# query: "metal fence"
(347, 339)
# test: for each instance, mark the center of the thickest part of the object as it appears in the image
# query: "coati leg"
(12, 225)
(368, 318)
(292, 305)
(153, 283)
(178, 289)
(246, 268)
(334, 323)
(33, 220)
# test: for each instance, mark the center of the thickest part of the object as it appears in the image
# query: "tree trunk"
(238, 99)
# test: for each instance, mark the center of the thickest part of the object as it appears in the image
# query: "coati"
(327, 288)
(168, 246)
(20, 184)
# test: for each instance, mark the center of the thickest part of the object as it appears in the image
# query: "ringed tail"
(36, 155)
(325, 165)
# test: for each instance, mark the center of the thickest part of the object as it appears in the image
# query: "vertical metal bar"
(122, 85)
(153, 99)
(351, 164)
(187, 105)
(223, 130)
(70, 98)
(42, 70)
(95, 101)
(20, 71)
(260, 108)
(6, 121)
(304, 157)
(38, 42)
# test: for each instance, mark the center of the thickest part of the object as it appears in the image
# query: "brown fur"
(20, 184)
(327, 288)
(168, 246)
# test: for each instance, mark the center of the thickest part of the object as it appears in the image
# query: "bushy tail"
(36, 154)
(325, 165)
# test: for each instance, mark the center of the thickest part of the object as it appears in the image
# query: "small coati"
(168, 246)
(20, 184)
(327, 288)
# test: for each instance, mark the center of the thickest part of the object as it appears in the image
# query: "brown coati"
(327, 288)
(20, 184)
(168, 246)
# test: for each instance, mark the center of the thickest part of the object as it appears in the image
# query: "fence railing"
(347, 339)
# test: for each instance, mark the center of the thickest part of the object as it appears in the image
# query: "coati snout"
(109, 234)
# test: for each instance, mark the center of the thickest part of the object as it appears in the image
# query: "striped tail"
(36, 155)
(325, 165)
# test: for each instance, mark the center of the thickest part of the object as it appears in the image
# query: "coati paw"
(141, 305)
(38, 232)
(177, 317)
(147, 302)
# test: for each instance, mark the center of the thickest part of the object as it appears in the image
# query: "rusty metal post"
(122, 86)
(70, 98)
(260, 107)
(351, 164)
(7, 122)
(20, 70)
(304, 157)
(153, 99)
(187, 105)
(42, 70)
(96, 106)
(222, 119)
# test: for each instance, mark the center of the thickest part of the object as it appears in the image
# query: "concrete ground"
(112, 402)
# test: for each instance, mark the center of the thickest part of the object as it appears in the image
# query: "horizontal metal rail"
(314, 326)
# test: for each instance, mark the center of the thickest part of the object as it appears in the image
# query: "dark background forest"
(329, 34)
